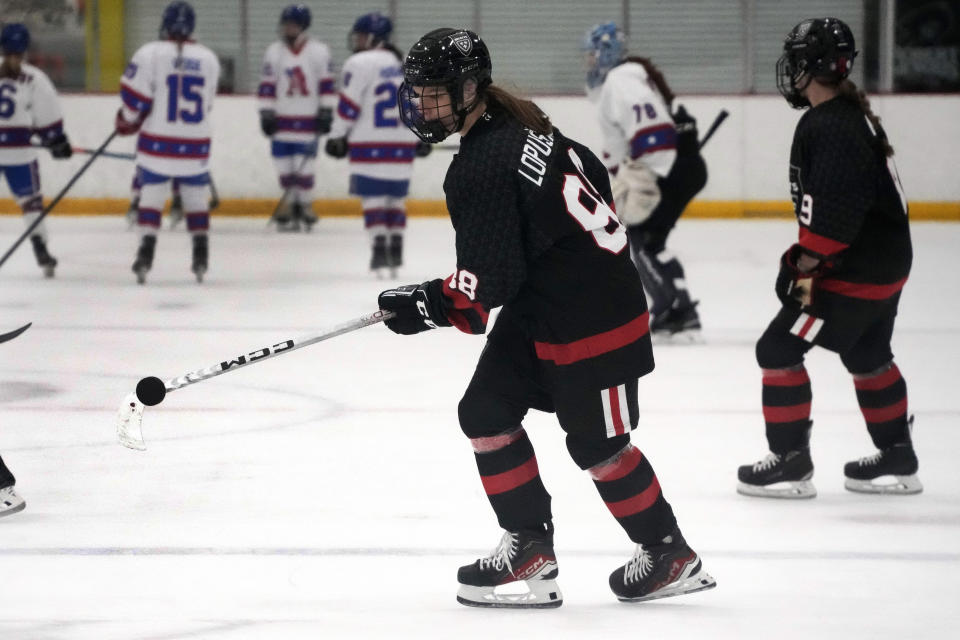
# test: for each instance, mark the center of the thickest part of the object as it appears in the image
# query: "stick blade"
(130, 423)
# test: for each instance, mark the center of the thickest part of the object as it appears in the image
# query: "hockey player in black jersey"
(840, 283)
(535, 235)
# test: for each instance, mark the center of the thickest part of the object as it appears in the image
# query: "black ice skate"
(379, 260)
(304, 215)
(46, 261)
(892, 470)
(285, 219)
(395, 254)
(661, 571)
(144, 260)
(524, 556)
(677, 325)
(779, 476)
(176, 210)
(200, 254)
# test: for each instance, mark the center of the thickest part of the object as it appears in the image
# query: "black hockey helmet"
(446, 59)
(821, 48)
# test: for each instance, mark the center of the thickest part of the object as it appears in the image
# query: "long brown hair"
(526, 111)
(656, 76)
(849, 91)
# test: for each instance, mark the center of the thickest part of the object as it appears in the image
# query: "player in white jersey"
(167, 91)
(368, 128)
(655, 166)
(296, 98)
(28, 107)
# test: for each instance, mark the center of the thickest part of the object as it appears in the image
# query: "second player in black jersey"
(840, 283)
(536, 236)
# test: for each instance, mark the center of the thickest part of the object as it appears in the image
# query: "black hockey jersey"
(535, 233)
(849, 203)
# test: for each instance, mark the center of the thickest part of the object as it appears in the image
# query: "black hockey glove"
(268, 122)
(337, 147)
(323, 120)
(423, 149)
(59, 147)
(686, 126)
(795, 287)
(419, 307)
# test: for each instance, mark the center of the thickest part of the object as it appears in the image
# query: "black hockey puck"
(151, 391)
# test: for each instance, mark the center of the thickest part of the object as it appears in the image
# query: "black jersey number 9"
(594, 215)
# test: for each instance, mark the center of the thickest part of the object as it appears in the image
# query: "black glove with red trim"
(795, 287)
(418, 307)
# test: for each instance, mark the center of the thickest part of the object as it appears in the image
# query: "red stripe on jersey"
(619, 468)
(885, 414)
(860, 290)
(785, 377)
(463, 309)
(881, 381)
(509, 480)
(790, 413)
(820, 244)
(806, 327)
(640, 502)
(595, 345)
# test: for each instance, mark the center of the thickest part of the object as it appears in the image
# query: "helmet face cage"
(821, 48)
(605, 46)
(14, 39)
(178, 22)
(436, 71)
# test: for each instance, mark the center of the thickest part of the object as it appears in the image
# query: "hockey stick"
(106, 154)
(53, 203)
(152, 390)
(314, 151)
(713, 127)
(214, 196)
(6, 337)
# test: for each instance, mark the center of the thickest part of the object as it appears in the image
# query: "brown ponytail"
(656, 76)
(526, 111)
(851, 92)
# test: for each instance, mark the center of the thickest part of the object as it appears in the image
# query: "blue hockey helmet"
(14, 38)
(606, 46)
(178, 21)
(298, 14)
(375, 24)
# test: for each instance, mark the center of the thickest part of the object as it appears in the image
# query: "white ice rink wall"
(747, 158)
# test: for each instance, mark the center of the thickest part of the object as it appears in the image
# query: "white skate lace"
(766, 463)
(638, 567)
(871, 460)
(500, 556)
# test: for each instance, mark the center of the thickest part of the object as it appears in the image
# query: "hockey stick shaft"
(276, 349)
(63, 192)
(106, 154)
(214, 196)
(713, 127)
(10, 335)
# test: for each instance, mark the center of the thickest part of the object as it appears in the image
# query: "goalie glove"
(635, 192)
(418, 307)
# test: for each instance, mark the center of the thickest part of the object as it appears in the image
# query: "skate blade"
(886, 485)
(689, 336)
(700, 581)
(541, 594)
(14, 509)
(795, 490)
(48, 271)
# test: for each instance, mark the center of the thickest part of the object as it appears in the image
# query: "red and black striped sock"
(508, 470)
(630, 489)
(786, 408)
(883, 402)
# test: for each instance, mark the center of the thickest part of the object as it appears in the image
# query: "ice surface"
(330, 493)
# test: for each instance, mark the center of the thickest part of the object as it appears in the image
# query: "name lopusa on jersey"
(293, 84)
(848, 201)
(172, 90)
(533, 230)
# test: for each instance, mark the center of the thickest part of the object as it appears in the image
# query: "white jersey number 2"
(595, 215)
